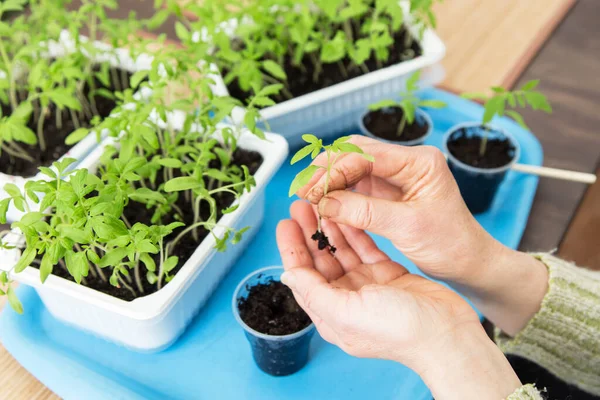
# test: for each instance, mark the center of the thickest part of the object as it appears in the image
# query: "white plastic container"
(117, 58)
(153, 322)
(332, 110)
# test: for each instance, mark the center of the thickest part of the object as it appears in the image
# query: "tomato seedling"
(333, 152)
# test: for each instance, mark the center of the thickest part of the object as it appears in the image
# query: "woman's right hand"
(409, 196)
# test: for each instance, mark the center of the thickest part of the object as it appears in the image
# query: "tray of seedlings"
(148, 265)
(333, 57)
(239, 354)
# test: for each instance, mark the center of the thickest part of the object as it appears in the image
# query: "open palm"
(360, 300)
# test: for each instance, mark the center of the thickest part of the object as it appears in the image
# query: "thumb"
(378, 216)
(317, 295)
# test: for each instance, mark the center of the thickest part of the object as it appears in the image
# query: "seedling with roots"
(504, 102)
(333, 151)
(409, 103)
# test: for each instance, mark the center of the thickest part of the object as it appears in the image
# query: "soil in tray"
(384, 124)
(136, 212)
(54, 136)
(465, 145)
(300, 80)
(270, 308)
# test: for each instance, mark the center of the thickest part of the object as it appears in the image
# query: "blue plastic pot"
(478, 186)
(275, 355)
(420, 117)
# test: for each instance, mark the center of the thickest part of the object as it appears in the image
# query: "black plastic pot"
(478, 186)
(275, 355)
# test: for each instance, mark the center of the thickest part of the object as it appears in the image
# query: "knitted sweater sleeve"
(564, 335)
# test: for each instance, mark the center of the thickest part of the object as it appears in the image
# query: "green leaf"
(77, 265)
(182, 183)
(181, 31)
(4, 204)
(148, 262)
(274, 69)
(151, 277)
(171, 263)
(302, 178)
(26, 259)
(231, 209)
(113, 257)
(432, 103)
(538, 101)
(12, 190)
(14, 301)
(493, 107)
(143, 195)
(239, 235)
(413, 81)
(518, 118)
(383, 104)
(75, 234)
(46, 267)
(137, 78)
(146, 246)
(23, 111)
(270, 90)
(77, 136)
(170, 162)
(530, 85)
(308, 138)
(302, 153)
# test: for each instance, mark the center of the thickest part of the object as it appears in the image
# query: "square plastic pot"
(478, 186)
(275, 355)
(154, 322)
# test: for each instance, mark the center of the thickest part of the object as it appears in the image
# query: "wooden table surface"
(568, 64)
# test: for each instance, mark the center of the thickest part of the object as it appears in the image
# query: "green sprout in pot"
(333, 152)
(399, 120)
(504, 102)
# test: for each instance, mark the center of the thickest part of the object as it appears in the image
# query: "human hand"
(409, 196)
(370, 306)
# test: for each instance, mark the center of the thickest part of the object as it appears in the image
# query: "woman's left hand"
(371, 306)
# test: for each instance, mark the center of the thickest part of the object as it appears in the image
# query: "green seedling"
(333, 152)
(270, 39)
(409, 103)
(504, 102)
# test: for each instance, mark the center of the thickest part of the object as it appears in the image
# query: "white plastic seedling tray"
(118, 58)
(155, 321)
(332, 110)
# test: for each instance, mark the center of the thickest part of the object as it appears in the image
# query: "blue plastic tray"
(212, 360)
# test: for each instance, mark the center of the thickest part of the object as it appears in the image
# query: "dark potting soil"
(54, 136)
(270, 308)
(465, 143)
(384, 124)
(300, 79)
(323, 241)
(137, 212)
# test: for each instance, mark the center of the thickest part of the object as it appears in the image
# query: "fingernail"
(329, 207)
(315, 194)
(288, 279)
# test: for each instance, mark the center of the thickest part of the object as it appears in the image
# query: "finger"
(316, 294)
(382, 217)
(325, 330)
(304, 214)
(345, 254)
(403, 167)
(292, 246)
(363, 245)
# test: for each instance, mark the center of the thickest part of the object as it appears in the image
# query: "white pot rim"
(476, 170)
